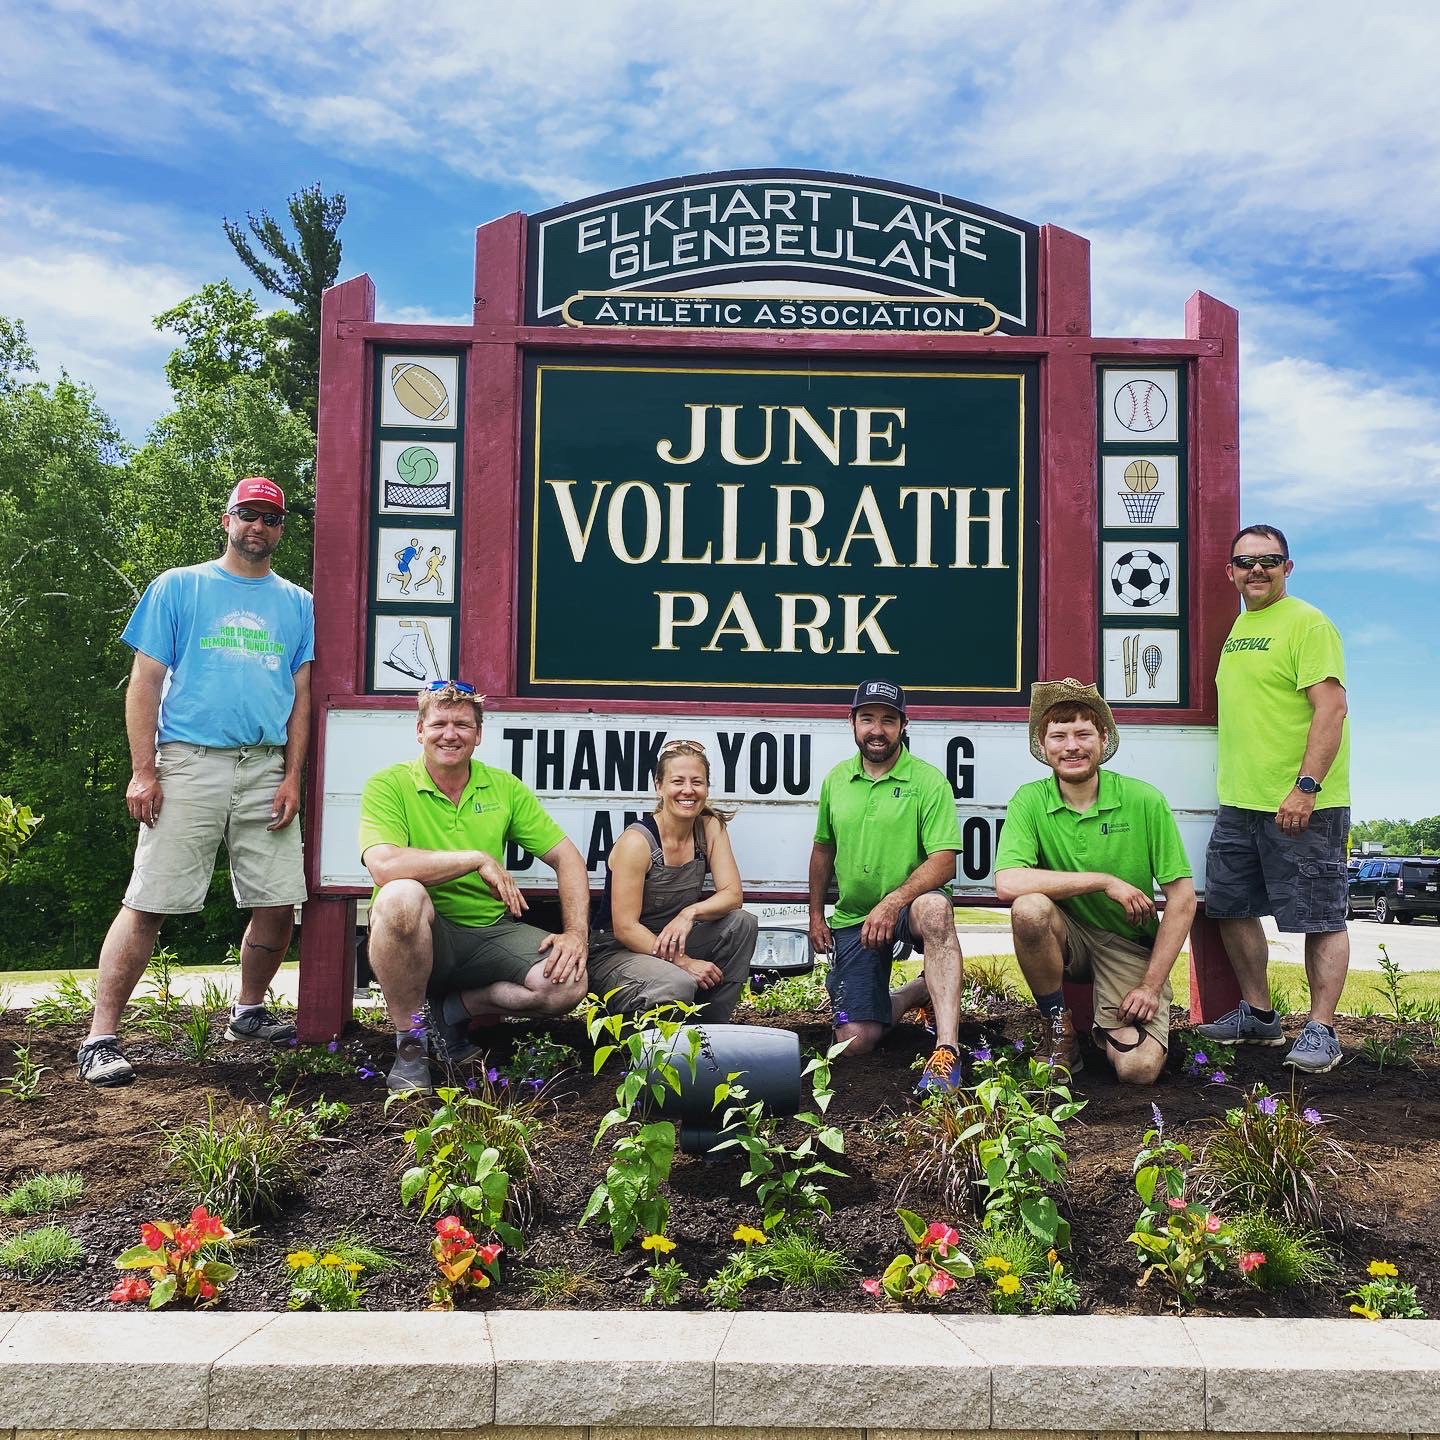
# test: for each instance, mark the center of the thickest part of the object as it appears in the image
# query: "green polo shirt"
(403, 806)
(1128, 832)
(882, 828)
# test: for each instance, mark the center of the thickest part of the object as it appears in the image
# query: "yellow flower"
(658, 1243)
(1382, 1267)
(299, 1259)
(998, 1264)
(331, 1259)
(749, 1235)
(354, 1268)
(1008, 1284)
(1052, 1257)
(1366, 1311)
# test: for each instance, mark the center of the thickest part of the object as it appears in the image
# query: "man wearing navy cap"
(218, 717)
(887, 832)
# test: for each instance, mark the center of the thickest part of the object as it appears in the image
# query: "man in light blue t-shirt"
(218, 717)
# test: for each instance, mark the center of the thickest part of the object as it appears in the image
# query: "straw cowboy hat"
(1045, 693)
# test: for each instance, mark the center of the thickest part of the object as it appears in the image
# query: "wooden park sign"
(712, 450)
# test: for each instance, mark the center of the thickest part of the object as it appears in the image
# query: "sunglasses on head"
(1249, 562)
(671, 746)
(458, 685)
(269, 518)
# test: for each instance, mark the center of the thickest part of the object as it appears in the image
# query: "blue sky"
(1284, 157)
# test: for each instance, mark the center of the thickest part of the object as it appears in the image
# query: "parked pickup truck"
(1393, 887)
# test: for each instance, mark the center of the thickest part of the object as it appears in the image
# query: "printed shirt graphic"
(882, 829)
(1129, 831)
(1270, 659)
(232, 647)
(402, 805)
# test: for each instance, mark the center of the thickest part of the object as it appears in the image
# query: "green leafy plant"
(667, 1277)
(1283, 1000)
(1292, 1254)
(68, 1003)
(789, 994)
(1192, 1246)
(1266, 1156)
(1005, 1249)
(242, 1162)
(51, 1247)
(39, 1194)
(464, 1264)
(1057, 1292)
(786, 1177)
(475, 1154)
(328, 1277)
(316, 1119)
(988, 981)
(537, 1061)
(1161, 1168)
(930, 1272)
(24, 1083)
(193, 1033)
(1023, 1159)
(216, 996)
(174, 1258)
(1210, 1060)
(1384, 1296)
(629, 1197)
(1393, 984)
(17, 824)
(156, 1011)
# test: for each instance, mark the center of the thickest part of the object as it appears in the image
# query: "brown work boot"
(1064, 1046)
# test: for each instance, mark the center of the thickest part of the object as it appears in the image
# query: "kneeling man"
(445, 916)
(1080, 855)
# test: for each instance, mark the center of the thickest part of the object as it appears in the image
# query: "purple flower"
(534, 1082)
(1018, 1047)
(842, 1017)
(983, 1053)
(1269, 1105)
(1199, 1058)
(492, 1074)
(1312, 1117)
(1156, 1116)
(365, 1072)
(333, 1046)
(470, 1084)
(1219, 1078)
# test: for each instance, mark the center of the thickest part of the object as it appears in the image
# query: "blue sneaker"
(1241, 1026)
(942, 1073)
(1316, 1051)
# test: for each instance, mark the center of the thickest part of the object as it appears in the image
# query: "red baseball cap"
(257, 487)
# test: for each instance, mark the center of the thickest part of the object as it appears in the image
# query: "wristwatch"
(1308, 785)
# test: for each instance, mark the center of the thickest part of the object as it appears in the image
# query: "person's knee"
(931, 914)
(1031, 916)
(1141, 1066)
(562, 999)
(863, 1038)
(400, 907)
(746, 928)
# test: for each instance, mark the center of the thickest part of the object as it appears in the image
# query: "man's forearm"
(822, 871)
(1053, 884)
(429, 867)
(1322, 744)
(297, 728)
(142, 715)
(574, 886)
(933, 872)
(1175, 922)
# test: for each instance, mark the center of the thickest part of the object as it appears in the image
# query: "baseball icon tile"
(1140, 405)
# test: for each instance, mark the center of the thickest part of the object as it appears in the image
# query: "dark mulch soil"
(1388, 1206)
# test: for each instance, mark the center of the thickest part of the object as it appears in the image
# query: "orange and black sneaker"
(942, 1073)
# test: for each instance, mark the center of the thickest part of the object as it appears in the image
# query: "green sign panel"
(722, 230)
(775, 532)
(766, 313)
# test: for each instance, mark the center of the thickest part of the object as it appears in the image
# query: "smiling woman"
(656, 938)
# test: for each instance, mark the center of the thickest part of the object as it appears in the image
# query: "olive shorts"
(468, 957)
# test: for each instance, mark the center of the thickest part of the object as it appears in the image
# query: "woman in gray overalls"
(655, 938)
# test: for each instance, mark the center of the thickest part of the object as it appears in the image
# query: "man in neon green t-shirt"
(1079, 859)
(1278, 846)
(445, 915)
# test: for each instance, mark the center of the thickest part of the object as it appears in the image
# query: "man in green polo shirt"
(1079, 858)
(888, 834)
(445, 915)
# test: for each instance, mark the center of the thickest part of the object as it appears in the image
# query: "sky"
(1283, 157)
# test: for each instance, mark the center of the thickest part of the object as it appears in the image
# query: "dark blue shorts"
(859, 979)
(1253, 868)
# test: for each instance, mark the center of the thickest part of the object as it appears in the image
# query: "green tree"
(63, 598)
(299, 270)
(223, 336)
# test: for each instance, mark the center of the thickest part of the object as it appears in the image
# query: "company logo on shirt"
(1115, 827)
(1247, 642)
(244, 637)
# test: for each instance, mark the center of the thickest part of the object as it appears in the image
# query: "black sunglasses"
(459, 685)
(1249, 562)
(271, 519)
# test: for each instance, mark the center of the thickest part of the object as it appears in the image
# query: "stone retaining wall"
(626, 1375)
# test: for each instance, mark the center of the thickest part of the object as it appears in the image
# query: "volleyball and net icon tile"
(416, 486)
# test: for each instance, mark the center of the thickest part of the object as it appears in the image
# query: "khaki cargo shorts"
(212, 795)
(1114, 966)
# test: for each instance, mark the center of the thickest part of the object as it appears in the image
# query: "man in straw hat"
(1079, 857)
(888, 833)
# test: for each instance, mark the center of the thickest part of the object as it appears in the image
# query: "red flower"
(489, 1254)
(939, 1234)
(450, 1228)
(150, 1235)
(205, 1223)
(871, 1287)
(940, 1283)
(131, 1288)
(187, 1241)
(1212, 1224)
(207, 1290)
(1175, 1204)
(1251, 1260)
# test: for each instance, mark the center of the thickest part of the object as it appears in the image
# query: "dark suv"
(1392, 887)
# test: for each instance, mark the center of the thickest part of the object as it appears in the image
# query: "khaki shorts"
(1114, 966)
(468, 957)
(212, 795)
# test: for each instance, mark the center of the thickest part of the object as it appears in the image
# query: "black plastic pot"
(766, 1061)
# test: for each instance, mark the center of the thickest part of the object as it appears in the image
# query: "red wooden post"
(1214, 990)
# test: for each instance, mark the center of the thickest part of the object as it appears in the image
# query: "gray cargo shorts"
(1252, 868)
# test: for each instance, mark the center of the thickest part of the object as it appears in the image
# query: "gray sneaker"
(1316, 1051)
(450, 1044)
(260, 1024)
(1242, 1027)
(101, 1063)
(410, 1073)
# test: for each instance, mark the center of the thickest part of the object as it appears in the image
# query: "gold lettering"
(730, 527)
(995, 536)
(670, 622)
(665, 449)
(925, 497)
(855, 627)
(868, 509)
(786, 528)
(828, 444)
(866, 433)
(736, 619)
(814, 628)
(575, 533)
(615, 521)
(728, 452)
(675, 553)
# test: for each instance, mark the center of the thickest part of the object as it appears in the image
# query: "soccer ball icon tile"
(1140, 579)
